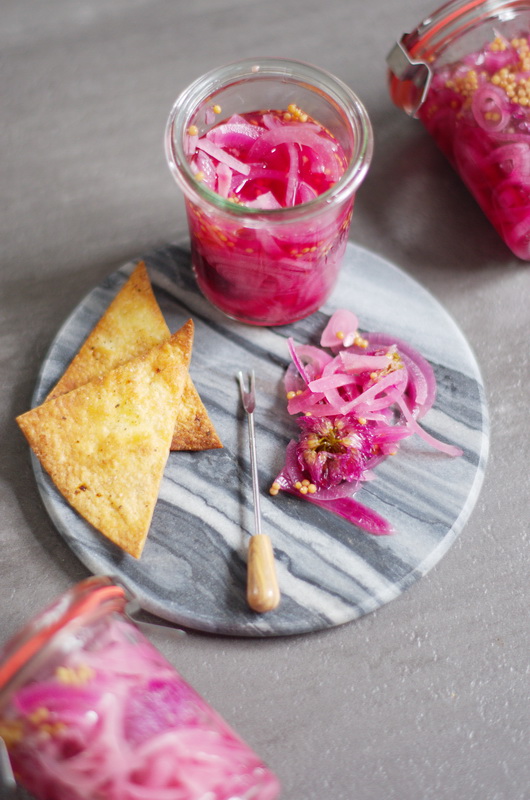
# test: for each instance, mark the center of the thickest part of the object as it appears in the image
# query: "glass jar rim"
(257, 69)
(452, 19)
(86, 601)
(428, 39)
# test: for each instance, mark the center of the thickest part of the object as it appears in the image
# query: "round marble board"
(193, 568)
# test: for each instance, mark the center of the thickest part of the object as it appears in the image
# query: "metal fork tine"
(248, 397)
(252, 393)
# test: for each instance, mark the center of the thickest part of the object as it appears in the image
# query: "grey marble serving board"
(193, 568)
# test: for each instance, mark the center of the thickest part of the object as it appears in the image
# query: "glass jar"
(263, 263)
(90, 710)
(465, 73)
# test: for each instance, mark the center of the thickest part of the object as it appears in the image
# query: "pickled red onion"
(302, 135)
(293, 161)
(297, 361)
(490, 108)
(233, 133)
(264, 201)
(421, 388)
(356, 407)
(222, 156)
(341, 325)
(224, 179)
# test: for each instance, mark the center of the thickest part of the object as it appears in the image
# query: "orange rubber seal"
(86, 598)
(423, 42)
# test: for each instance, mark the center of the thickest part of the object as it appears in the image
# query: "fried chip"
(105, 444)
(194, 429)
(132, 324)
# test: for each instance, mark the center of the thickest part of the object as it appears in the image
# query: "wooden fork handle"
(263, 592)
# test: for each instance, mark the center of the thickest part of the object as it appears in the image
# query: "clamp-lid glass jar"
(465, 73)
(270, 254)
(90, 710)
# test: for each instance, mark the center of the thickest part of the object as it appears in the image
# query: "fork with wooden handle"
(263, 593)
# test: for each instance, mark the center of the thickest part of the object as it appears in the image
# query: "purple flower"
(333, 449)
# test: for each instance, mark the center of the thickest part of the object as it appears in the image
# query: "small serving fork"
(263, 593)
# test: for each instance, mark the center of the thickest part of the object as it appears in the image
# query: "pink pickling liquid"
(262, 268)
(108, 718)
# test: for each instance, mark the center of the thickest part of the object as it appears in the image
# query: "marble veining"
(193, 568)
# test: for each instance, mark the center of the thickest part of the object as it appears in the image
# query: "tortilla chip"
(132, 324)
(194, 429)
(105, 444)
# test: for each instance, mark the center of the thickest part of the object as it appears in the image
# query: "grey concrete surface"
(427, 698)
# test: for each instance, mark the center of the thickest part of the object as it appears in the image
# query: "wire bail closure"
(417, 74)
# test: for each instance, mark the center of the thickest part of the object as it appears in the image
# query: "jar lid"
(86, 601)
